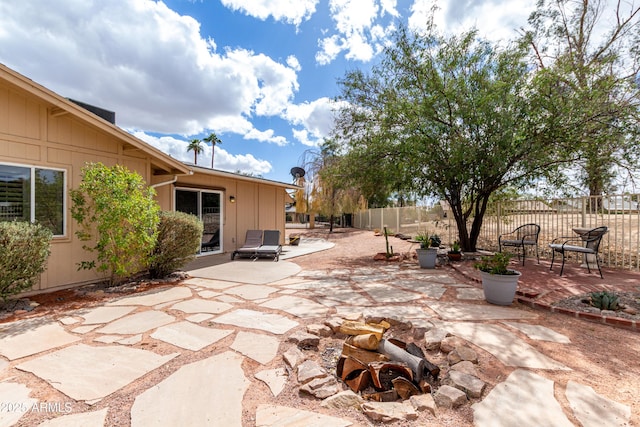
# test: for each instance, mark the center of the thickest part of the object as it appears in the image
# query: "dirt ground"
(600, 356)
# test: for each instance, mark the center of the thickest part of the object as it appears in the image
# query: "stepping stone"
(504, 345)
(525, 399)
(345, 296)
(84, 329)
(259, 347)
(189, 336)
(15, 401)
(251, 292)
(86, 373)
(275, 379)
(29, 337)
(273, 323)
(198, 305)
(541, 333)
(104, 314)
(208, 294)
(209, 283)
(411, 311)
(137, 323)
(384, 293)
(198, 318)
(300, 307)
(156, 297)
(272, 415)
(243, 271)
(594, 410)
(431, 290)
(229, 299)
(68, 320)
(457, 311)
(207, 392)
(474, 294)
(84, 419)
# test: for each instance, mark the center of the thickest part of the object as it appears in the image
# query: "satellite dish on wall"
(297, 172)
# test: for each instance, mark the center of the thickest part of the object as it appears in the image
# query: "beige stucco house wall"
(42, 131)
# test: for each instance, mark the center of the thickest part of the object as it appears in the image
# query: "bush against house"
(117, 217)
(24, 249)
(179, 237)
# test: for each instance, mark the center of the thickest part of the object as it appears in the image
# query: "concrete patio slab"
(300, 307)
(88, 373)
(155, 297)
(273, 323)
(504, 345)
(15, 401)
(406, 311)
(188, 335)
(84, 419)
(29, 337)
(275, 379)
(137, 323)
(593, 410)
(198, 305)
(538, 332)
(345, 296)
(259, 347)
(458, 311)
(214, 388)
(525, 399)
(251, 292)
(103, 314)
(272, 416)
(258, 272)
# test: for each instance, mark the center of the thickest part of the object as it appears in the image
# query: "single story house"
(45, 141)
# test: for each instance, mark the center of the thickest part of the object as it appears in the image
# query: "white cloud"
(358, 31)
(316, 118)
(266, 136)
(145, 62)
(290, 11)
(177, 148)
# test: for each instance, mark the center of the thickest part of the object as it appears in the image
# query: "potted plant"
(294, 240)
(499, 283)
(454, 253)
(427, 253)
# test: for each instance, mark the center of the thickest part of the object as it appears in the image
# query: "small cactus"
(604, 300)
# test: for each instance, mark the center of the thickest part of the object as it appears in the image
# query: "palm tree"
(195, 145)
(213, 139)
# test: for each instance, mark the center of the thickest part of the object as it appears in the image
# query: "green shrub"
(179, 237)
(604, 300)
(117, 213)
(24, 249)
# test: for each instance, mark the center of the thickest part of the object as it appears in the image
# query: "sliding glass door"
(207, 206)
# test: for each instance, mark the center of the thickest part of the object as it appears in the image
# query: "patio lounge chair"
(521, 237)
(252, 241)
(586, 243)
(270, 245)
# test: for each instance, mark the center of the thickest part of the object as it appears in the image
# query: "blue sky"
(261, 74)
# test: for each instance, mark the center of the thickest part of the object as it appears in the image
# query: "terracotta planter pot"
(454, 256)
(500, 289)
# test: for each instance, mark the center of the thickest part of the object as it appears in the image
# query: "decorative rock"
(304, 340)
(424, 402)
(450, 397)
(461, 354)
(420, 327)
(293, 356)
(343, 400)
(334, 323)
(434, 337)
(309, 370)
(471, 385)
(319, 330)
(321, 387)
(466, 367)
(630, 310)
(450, 343)
(387, 412)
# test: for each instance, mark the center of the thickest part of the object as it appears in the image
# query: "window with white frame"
(29, 193)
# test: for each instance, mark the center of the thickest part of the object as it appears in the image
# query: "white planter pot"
(500, 289)
(427, 257)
